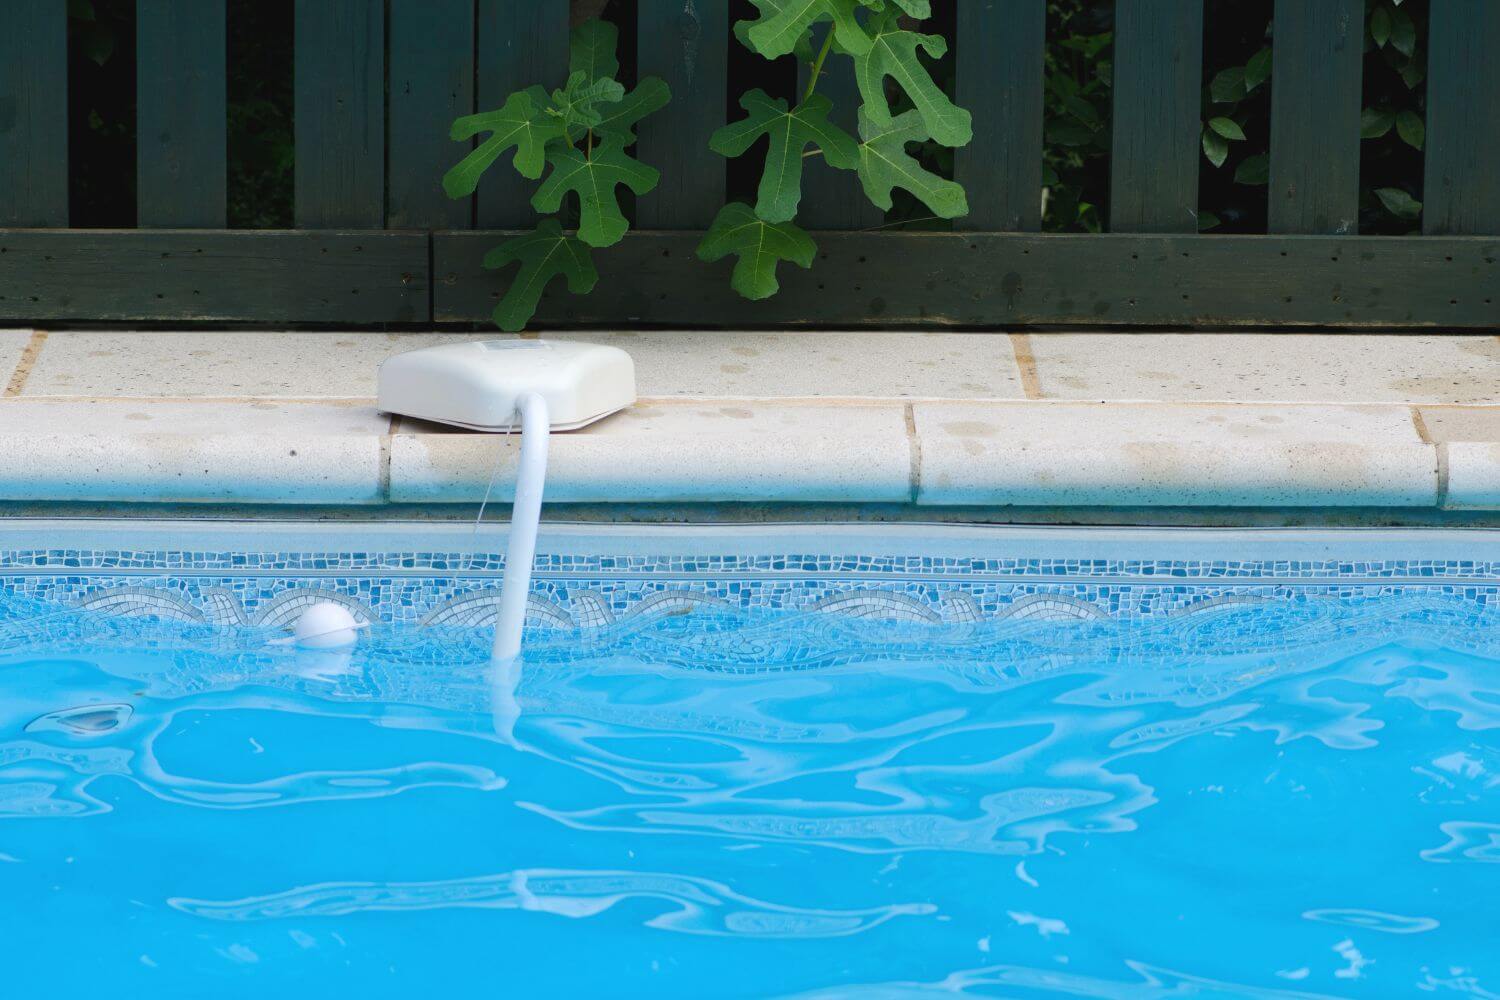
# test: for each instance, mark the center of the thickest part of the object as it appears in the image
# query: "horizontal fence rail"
(377, 82)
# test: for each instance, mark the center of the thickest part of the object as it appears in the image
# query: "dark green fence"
(378, 81)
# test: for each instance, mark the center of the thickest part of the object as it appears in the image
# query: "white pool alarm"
(475, 385)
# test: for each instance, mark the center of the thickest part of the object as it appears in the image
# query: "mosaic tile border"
(592, 592)
(450, 564)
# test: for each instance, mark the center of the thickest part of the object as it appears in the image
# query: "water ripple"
(700, 906)
(1390, 923)
(1278, 795)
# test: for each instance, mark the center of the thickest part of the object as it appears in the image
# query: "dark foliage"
(1078, 98)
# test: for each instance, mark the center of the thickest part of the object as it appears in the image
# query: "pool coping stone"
(242, 421)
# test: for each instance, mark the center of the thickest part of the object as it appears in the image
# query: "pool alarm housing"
(478, 385)
(492, 385)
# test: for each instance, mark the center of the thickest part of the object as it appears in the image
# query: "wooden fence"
(378, 81)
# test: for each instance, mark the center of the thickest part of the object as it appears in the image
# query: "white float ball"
(326, 625)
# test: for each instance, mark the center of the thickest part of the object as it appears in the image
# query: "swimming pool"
(752, 762)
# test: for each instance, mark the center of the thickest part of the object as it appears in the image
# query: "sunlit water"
(1283, 799)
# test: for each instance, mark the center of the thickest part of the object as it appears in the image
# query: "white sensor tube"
(525, 515)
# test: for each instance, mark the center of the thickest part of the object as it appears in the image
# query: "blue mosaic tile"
(594, 591)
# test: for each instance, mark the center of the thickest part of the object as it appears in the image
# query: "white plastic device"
(489, 386)
(478, 385)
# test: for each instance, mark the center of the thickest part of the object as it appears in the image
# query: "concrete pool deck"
(931, 420)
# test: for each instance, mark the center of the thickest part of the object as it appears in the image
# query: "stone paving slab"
(195, 419)
(183, 468)
(941, 419)
(759, 365)
(12, 346)
(1443, 424)
(213, 364)
(1468, 439)
(1121, 454)
(673, 363)
(1473, 476)
(677, 452)
(1267, 367)
(1227, 367)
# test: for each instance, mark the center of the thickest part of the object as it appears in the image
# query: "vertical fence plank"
(432, 83)
(521, 42)
(1315, 101)
(181, 129)
(831, 198)
(686, 43)
(1000, 74)
(1461, 190)
(1153, 177)
(34, 113)
(340, 114)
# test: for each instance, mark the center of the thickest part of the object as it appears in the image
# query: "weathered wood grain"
(340, 114)
(34, 113)
(520, 44)
(1153, 186)
(256, 276)
(432, 83)
(1003, 279)
(1000, 76)
(685, 43)
(1315, 105)
(1462, 182)
(181, 124)
(831, 198)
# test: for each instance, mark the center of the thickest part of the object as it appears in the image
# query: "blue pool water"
(1284, 797)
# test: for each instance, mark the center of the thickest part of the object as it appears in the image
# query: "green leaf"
(1380, 26)
(1403, 33)
(577, 103)
(1410, 128)
(783, 25)
(1069, 134)
(1258, 69)
(1227, 127)
(885, 164)
(1375, 122)
(1412, 74)
(760, 246)
(1081, 109)
(1089, 218)
(519, 124)
(1062, 85)
(1253, 170)
(790, 133)
(893, 53)
(591, 50)
(805, 51)
(543, 254)
(594, 177)
(1399, 203)
(1207, 221)
(98, 42)
(1228, 85)
(1215, 148)
(618, 121)
(920, 9)
(1087, 46)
